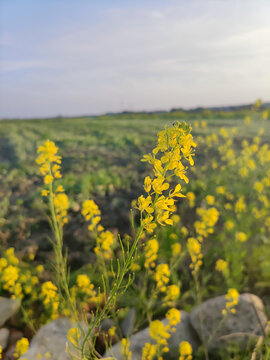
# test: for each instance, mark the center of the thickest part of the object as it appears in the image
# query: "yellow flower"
(173, 145)
(176, 249)
(125, 352)
(40, 269)
(12, 259)
(148, 224)
(229, 225)
(210, 199)
(112, 331)
(162, 276)
(3, 264)
(145, 204)
(221, 190)
(174, 317)
(50, 298)
(224, 133)
(73, 336)
(172, 294)
(83, 281)
(147, 184)
(191, 197)
(151, 251)
(265, 115)
(105, 242)
(60, 189)
(258, 186)
(158, 185)
(194, 249)
(247, 120)
(221, 265)
(21, 348)
(185, 350)
(240, 236)
(149, 351)
(135, 267)
(159, 332)
(89, 209)
(232, 297)
(44, 192)
(9, 277)
(61, 204)
(240, 205)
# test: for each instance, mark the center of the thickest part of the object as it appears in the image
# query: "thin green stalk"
(114, 291)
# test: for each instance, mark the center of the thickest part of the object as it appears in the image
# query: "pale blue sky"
(75, 57)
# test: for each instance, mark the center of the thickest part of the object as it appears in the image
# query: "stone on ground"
(50, 342)
(233, 331)
(8, 307)
(184, 332)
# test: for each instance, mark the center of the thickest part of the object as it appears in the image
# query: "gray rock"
(51, 338)
(8, 307)
(223, 333)
(184, 332)
(128, 323)
(4, 335)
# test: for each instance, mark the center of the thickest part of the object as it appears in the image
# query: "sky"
(83, 57)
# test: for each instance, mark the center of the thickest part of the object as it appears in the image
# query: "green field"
(101, 161)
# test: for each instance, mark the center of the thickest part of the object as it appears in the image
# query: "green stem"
(114, 291)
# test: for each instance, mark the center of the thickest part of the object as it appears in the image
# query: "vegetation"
(199, 230)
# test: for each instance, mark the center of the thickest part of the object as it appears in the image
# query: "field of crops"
(178, 247)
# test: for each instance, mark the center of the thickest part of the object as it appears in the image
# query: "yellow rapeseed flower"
(176, 249)
(210, 199)
(151, 250)
(172, 294)
(232, 297)
(194, 249)
(221, 265)
(162, 276)
(148, 351)
(21, 348)
(185, 350)
(174, 317)
(125, 352)
(240, 236)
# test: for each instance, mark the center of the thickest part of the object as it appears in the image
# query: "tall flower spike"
(174, 151)
(50, 168)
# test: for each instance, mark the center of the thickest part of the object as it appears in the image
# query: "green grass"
(101, 159)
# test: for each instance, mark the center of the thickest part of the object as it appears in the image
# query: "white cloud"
(195, 55)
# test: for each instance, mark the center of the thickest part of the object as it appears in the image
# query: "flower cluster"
(83, 290)
(174, 145)
(185, 351)
(105, 239)
(50, 297)
(16, 278)
(151, 250)
(162, 277)
(50, 168)
(160, 333)
(172, 294)
(231, 301)
(208, 219)
(221, 265)
(125, 352)
(149, 351)
(194, 249)
(22, 346)
(49, 161)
